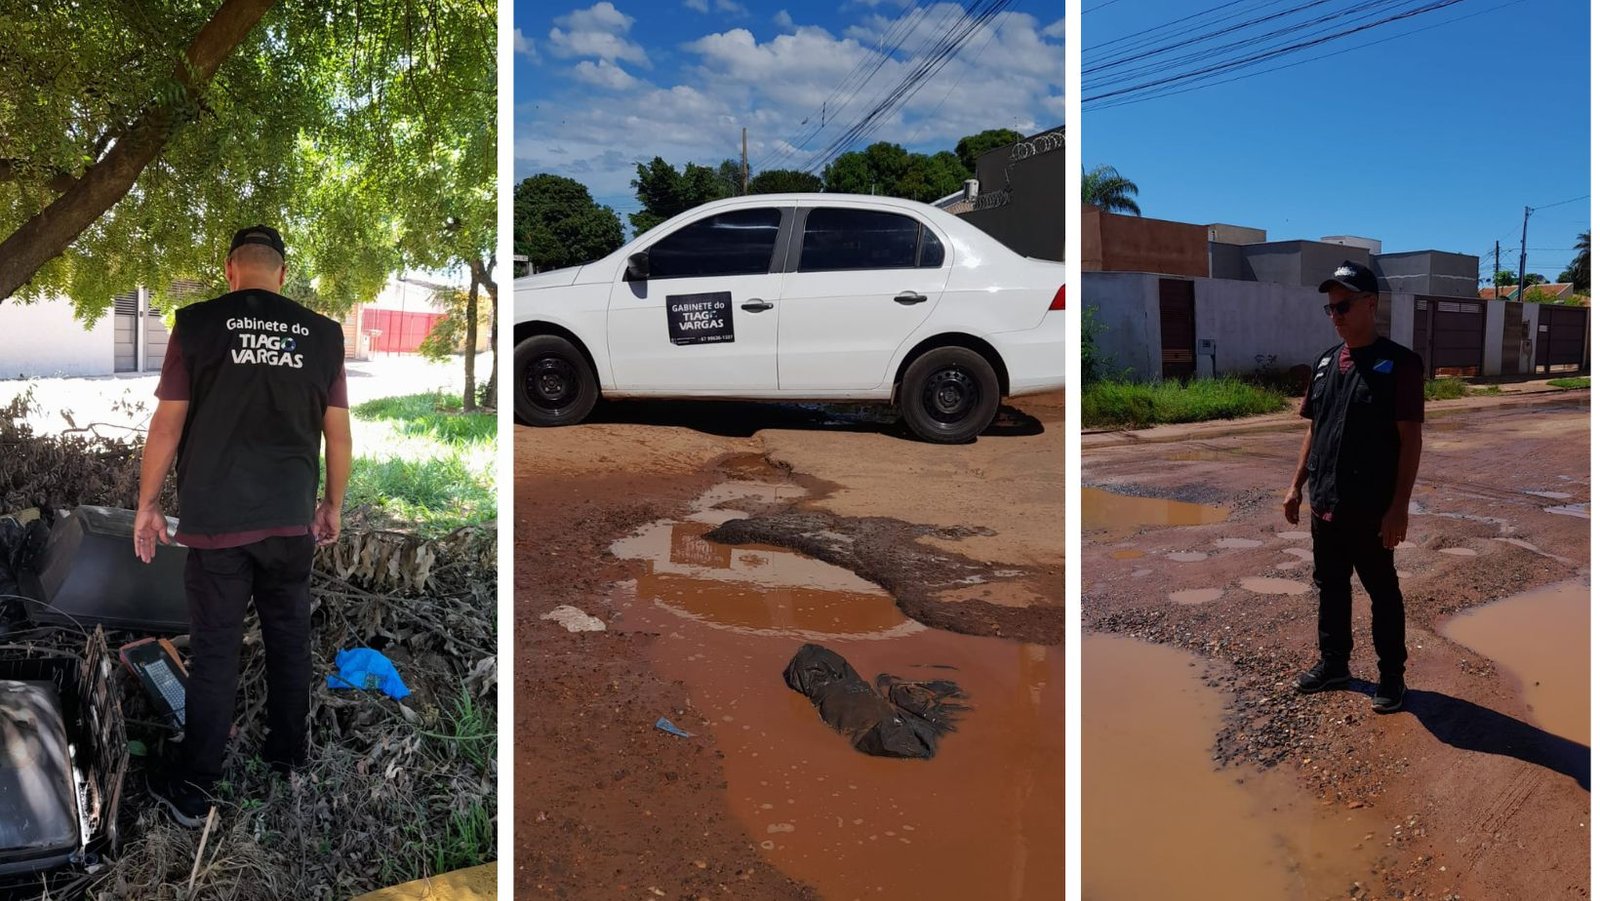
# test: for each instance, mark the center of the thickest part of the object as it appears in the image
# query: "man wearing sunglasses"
(1360, 457)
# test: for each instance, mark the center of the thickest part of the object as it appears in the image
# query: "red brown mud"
(606, 805)
(1481, 798)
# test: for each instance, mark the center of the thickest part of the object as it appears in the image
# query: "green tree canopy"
(971, 147)
(665, 192)
(1104, 188)
(557, 223)
(785, 181)
(889, 169)
(1578, 270)
(148, 132)
(1504, 277)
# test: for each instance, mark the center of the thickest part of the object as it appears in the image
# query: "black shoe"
(183, 799)
(1391, 692)
(1325, 675)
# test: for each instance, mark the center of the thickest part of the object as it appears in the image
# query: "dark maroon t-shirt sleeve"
(1408, 389)
(338, 392)
(174, 383)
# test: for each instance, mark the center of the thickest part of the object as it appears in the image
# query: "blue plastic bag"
(364, 668)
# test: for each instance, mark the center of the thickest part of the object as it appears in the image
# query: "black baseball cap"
(258, 234)
(1354, 276)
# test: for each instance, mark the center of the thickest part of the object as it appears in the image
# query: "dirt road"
(896, 553)
(1479, 787)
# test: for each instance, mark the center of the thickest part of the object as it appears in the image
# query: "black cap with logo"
(258, 234)
(1354, 276)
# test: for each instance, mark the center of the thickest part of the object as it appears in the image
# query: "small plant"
(1576, 382)
(1140, 405)
(1447, 388)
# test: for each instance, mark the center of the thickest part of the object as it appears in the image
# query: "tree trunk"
(50, 231)
(480, 272)
(469, 395)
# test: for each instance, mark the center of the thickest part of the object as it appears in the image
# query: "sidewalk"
(1529, 393)
(126, 401)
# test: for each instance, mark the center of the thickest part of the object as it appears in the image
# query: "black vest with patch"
(260, 366)
(1355, 444)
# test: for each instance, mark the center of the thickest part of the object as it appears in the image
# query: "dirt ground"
(1482, 804)
(604, 806)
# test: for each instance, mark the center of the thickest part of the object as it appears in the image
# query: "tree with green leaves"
(557, 223)
(1104, 188)
(1504, 278)
(146, 133)
(785, 181)
(1578, 270)
(971, 147)
(889, 169)
(665, 192)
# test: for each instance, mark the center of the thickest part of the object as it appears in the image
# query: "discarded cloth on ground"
(898, 718)
(365, 668)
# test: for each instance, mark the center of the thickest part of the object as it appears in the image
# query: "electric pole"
(1495, 281)
(744, 160)
(1522, 266)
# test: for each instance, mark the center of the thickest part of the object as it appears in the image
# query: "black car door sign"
(700, 318)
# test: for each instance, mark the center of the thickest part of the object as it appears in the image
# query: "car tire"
(552, 384)
(949, 395)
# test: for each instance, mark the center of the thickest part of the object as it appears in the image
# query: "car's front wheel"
(949, 395)
(554, 385)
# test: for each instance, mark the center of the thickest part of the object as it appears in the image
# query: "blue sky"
(1433, 140)
(600, 86)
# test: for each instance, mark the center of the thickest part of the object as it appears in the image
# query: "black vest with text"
(260, 366)
(1355, 444)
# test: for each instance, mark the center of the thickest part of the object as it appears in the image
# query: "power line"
(1101, 6)
(1562, 202)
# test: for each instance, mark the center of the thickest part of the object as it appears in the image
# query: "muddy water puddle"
(1160, 821)
(1542, 638)
(1122, 515)
(983, 819)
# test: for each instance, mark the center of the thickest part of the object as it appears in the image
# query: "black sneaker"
(1391, 692)
(183, 799)
(1325, 675)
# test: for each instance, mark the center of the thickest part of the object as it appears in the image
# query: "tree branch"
(59, 181)
(49, 232)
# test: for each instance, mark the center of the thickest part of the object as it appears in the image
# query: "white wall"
(1247, 319)
(1494, 333)
(405, 296)
(41, 339)
(1127, 309)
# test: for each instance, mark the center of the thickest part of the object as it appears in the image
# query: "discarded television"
(87, 575)
(39, 826)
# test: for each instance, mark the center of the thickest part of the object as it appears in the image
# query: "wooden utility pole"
(1494, 281)
(1522, 266)
(744, 160)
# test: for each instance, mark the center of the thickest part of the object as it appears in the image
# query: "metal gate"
(155, 340)
(1448, 333)
(1563, 338)
(126, 316)
(1177, 328)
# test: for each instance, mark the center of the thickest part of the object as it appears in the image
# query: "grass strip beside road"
(421, 464)
(1579, 382)
(1115, 404)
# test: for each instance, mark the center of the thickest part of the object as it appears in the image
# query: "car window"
(840, 239)
(931, 254)
(738, 242)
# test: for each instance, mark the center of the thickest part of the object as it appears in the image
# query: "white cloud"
(600, 32)
(784, 20)
(523, 46)
(605, 74)
(699, 6)
(732, 8)
(1057, 31)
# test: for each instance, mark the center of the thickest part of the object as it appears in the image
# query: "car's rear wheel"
(949, 395)
(554, 385)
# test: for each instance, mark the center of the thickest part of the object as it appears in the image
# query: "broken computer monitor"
(155, 663)
(39, 826)
(88, 575)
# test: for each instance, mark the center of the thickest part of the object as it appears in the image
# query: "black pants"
(1337, 548)
(276, 572)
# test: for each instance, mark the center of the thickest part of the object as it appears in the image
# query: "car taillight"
(1060, 303)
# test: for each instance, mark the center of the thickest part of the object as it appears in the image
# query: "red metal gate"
(1563, 341)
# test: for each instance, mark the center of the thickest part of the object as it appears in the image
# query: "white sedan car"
(797, 297)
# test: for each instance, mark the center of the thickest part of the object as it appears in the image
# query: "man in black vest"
(251, 385)
(1360, 455)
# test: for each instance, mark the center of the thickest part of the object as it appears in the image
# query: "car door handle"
(756, 305)
(907, 298)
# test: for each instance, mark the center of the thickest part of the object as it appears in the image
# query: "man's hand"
(325, 524)
(149, 527)
(1393, 529)
(1291, 506)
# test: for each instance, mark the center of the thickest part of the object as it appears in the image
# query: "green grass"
(1141, 404)
(421, 465)
(1578, 382)
(1485, 391)
(1447, 388)
(468, 840)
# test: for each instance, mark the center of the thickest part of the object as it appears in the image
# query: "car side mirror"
(639, 266)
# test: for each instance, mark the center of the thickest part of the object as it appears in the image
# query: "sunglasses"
(1342, 307)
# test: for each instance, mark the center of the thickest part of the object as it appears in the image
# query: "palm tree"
(1580, 265)
(1104, 189)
